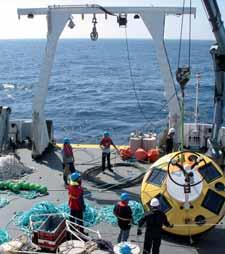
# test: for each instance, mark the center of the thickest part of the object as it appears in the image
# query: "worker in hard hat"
(68, 160)
(123, 213)
(154, 219)
(105, 144)
(13, 136)
(76, 199)
(169, 140)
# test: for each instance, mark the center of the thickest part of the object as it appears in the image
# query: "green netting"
(64, 208)
(137, 210)
(92, 216)
(22, 219)
(4, 236)
(23, 194)
(24, 189)
(105, 214)
(29, 194)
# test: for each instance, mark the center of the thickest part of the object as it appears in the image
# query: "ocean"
(95, 86)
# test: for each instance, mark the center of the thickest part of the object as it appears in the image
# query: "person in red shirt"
(105, 144)
(123, 213)
(68, 160)
(76, 200)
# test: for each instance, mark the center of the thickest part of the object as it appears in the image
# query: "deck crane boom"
(218, 55)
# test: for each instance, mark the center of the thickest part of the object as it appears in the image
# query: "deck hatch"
(157, 176)
(209, 172)
(213, 202)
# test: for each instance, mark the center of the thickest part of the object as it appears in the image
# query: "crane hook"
(94, 33)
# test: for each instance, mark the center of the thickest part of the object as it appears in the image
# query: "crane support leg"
(218, 97)
(218, 55)
(56, 23)
(155, 24)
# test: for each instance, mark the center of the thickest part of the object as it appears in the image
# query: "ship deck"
(48, 171)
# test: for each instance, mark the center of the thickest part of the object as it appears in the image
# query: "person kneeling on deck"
(68, 160)
(154, 219)
(123, 213)
(105, 144)
(76, 200)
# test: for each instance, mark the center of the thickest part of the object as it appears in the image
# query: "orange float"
(141, 154)
(125, 154)
(153, 154)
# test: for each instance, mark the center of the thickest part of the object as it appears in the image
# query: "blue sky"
(12, 28)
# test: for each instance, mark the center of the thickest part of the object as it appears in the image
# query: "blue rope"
(4, 236)
(92, 216)
(3, 202)
(125, 249)
(137, 211)
(22, 218)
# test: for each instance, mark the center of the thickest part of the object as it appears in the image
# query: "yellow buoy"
(191, 190)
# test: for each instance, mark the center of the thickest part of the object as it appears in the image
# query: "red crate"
(52, 228)
(52, 245)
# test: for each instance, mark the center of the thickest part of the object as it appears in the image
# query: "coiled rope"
(91, 173)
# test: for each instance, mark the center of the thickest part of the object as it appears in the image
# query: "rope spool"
(100, 252)
(135, 143)
(71, 247)
(149, 143)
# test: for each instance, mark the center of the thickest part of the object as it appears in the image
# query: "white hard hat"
(154, 202)
(171, 131)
